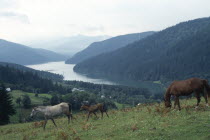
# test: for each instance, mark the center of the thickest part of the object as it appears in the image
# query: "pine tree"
(6, 106)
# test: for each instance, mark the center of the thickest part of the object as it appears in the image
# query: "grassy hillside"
(152, 122)
(34, 100)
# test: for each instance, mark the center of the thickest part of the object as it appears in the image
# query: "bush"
(26, 101)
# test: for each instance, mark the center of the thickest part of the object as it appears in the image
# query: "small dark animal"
(50, 111)
(185, 88)
(94, 108)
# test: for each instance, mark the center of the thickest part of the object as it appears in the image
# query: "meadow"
(34, 101)
(145, 122)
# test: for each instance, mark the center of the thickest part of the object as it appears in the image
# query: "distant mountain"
(67, 46)
(42, 74)
(20, 54)
(105, 46)
(178, 52)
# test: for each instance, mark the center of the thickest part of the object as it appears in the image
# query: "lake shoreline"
(66, 70)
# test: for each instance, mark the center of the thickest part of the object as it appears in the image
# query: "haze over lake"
(67, 71)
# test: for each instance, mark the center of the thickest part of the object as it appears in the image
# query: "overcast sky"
(22, 20)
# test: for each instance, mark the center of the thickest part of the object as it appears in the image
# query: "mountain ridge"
(24, 55)
(141, 60)
(67, 46)
(107, 45)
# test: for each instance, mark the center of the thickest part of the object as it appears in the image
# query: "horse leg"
(198, 99)
(175, 102)
(88, 116)
(68, 118)
(206, 99)
(95, 114)
(71, 117)
(53, 122)
(107, 114)
(178, 103)
(45, 123)
(102, 114)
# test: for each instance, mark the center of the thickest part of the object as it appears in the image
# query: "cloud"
(53, 18)
(15, 16)
(95, 28)
(8, 4)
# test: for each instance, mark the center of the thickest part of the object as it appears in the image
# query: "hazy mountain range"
(67, 46)
(107, 45)
(178, 52)
(24, 55)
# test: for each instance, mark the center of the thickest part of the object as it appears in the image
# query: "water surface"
(67, 71)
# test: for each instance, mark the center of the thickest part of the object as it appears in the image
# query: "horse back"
(60, 108)
(186, 87)
(102, 107)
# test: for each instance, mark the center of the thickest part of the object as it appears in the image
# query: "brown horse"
(185, 88)
(94, 108)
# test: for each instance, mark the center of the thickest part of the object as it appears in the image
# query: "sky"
(25, 20)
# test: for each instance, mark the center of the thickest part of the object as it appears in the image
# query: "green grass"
(34, 100)
(121, 106)
(151, 122)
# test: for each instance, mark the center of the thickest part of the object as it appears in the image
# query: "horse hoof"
(207, 105)
(196, 107)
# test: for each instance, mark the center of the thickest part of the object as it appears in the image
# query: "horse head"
(166, 99)
(33, 112)
(167, 103)
(82, 107)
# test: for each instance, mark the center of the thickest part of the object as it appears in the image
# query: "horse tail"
(206, 87)
(70, 108)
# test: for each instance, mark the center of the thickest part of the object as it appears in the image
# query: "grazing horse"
(94, 108)
(50, 111)
(185, 88)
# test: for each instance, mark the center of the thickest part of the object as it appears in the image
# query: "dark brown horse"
(94, 108)
(185, 88)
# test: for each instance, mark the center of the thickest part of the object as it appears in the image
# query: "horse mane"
(41, 107)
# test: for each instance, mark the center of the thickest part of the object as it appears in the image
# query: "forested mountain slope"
(42, 74)
(177, 52)
(108, 45)
(29, 81)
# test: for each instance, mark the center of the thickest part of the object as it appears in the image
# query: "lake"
(67, 71)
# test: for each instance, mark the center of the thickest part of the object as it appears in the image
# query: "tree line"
(29, 81)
